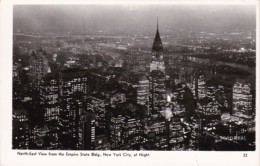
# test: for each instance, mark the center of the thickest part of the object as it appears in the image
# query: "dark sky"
(133, 18)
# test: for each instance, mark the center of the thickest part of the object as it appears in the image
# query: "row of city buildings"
(112, 108)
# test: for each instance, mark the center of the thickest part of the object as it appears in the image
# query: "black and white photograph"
(172, 78)
(127, 82)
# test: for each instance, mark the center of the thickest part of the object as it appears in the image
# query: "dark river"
(251, 78)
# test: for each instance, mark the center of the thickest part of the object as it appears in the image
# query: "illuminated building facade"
(242, 98)
(21, 130)
(73, 94)
(87, 136)
(38, 67)
(49, 94)
(116, 132)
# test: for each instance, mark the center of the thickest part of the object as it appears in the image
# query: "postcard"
(129, 82)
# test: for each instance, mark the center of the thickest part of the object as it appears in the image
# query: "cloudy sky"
(133, 18)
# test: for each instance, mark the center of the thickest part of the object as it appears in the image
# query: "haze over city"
(132, 18)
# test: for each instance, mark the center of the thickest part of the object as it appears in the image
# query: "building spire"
(157, 43)
(157, 25)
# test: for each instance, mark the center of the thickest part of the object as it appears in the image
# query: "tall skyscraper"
(49, 94)
(157, 52)
(87, 131)
(73, 93)
(116, 126)
(157, 96)
(143, 90)
(38, 67)
(157, 75)
(202, 87)
(198, 86)
(97, 105)
(20, 129)
(132, 133)
(242, 98)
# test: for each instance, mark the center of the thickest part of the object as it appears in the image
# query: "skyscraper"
(73, 94)
(157, 52)
(143, 90)
(20, 129)
(49, 94)
(157, 43)
(157, 75)
(38, 67)
(202, 87)
(242, 98)
(87, 131)
(116, 124)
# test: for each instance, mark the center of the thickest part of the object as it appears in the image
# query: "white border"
(9, 157)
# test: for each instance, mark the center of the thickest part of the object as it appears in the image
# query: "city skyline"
(192, 92)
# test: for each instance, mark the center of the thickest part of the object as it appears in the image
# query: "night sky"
(132, 18)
